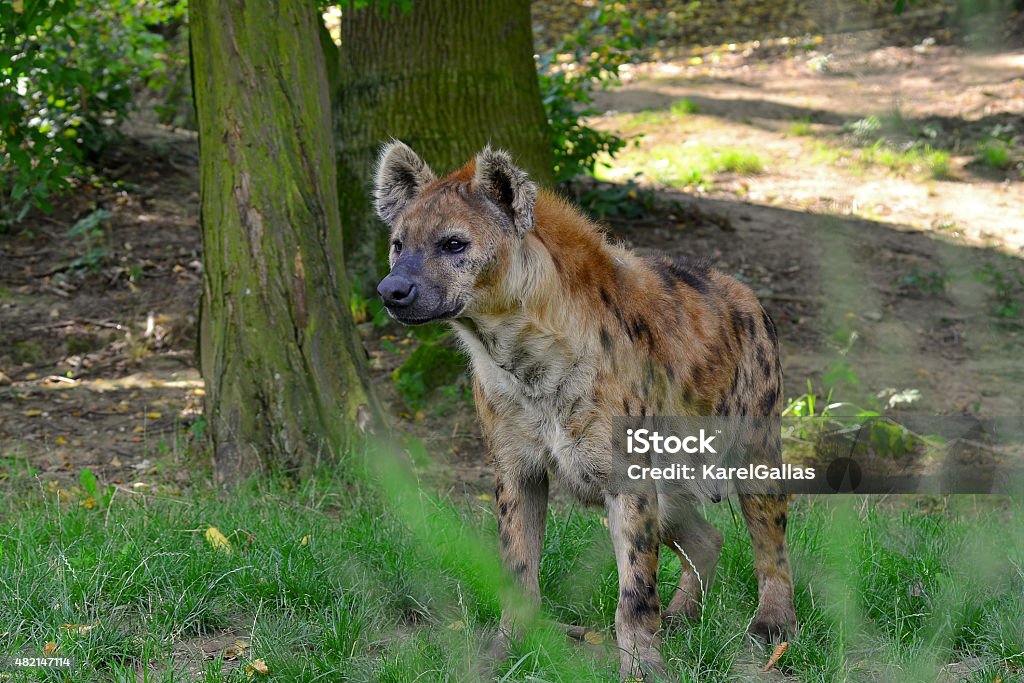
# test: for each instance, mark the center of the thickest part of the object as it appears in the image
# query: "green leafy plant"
(620, 200)
(933, 282)
(587, 59)
(435, 368)
(91, 486)
(68, 71)
(1007, 292)
(92, 231)
(864, 128)
(367, 309)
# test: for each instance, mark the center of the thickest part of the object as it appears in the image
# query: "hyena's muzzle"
(410, 297)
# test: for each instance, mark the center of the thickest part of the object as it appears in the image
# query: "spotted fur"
(566, 331)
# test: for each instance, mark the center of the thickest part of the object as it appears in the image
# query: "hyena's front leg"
(633, 523)
(520, 505)
(766, 513)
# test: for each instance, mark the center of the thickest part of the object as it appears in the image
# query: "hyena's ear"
(401, 175)
(506, 185)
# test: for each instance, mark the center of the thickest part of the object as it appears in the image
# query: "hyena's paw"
(679, 617)
(646, 666)
(488, 664)
(686, 605)
(499, 648)
(774, 623)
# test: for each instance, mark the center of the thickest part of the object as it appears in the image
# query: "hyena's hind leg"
(766, 513)
(698, 545)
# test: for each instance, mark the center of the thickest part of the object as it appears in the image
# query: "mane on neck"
(562, 265)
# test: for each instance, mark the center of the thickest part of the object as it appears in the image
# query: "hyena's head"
(449, 236)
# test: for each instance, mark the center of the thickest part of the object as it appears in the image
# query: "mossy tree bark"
(285, 375)
(446, 78)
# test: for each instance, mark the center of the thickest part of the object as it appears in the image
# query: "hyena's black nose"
(396, 290)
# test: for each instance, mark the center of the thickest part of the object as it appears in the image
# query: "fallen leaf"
(60, 441)
(218, 540)
(138, 429)
(305, 540)
(32, 413)
(49, 648)
(456, 626)
(89, 503)
(153, 416)
(257, 666)
(593, 637)
(81, 629)
(777, 653)
(483, 496)
(236, 650)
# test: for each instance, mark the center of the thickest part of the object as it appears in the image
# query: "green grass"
(686, 166)
(735, 161)
(656, 118)
(799, 128)
(995, 154)
(921, 159)
(684, 107)
(342, 579)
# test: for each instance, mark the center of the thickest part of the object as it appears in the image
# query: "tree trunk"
(286, 382)
(445, 77)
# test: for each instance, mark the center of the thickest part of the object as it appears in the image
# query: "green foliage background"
(68, 73)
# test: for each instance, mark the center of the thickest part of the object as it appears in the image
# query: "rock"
(5, 380)
(873, 316)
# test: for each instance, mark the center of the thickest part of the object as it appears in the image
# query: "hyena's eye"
(454, 246)
(397, 244)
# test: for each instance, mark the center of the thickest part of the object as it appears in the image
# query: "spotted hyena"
(566, 331)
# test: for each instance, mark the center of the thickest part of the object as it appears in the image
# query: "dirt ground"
(898, 282)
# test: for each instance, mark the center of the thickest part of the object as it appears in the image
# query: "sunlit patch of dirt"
(97, 358)
(942, 97)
